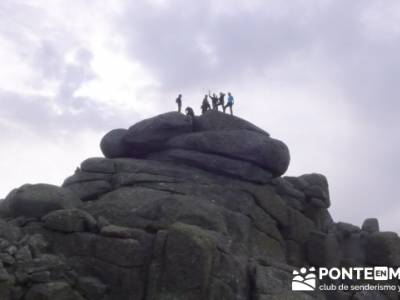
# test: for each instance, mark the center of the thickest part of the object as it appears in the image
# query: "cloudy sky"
(321, 75)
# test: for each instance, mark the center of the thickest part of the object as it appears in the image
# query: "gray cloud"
(42, 44)
(330, 38)
(41, 116)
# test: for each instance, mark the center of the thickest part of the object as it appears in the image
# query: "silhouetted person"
(205, 105)
(230, 103)
(189, 112)
(214, 100)
(179, 102)
(221, 100)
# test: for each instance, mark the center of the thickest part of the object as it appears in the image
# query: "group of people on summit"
(216, 101)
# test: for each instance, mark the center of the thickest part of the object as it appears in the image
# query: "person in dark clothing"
(230, 103)
(222, 100)
(214, 100)
(179, 102)
(205, 105)
(189, 112)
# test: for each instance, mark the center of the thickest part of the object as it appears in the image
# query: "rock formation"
(181, 209)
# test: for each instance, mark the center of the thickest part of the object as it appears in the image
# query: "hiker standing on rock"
(214, 100)
(189, 112)
(179, 102)
(222, 100)
(230, 103)
(205, 105)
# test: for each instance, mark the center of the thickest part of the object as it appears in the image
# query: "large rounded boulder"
(151, 134)
(112, 144)
(245, 145)
(37, 200)
(217, 142)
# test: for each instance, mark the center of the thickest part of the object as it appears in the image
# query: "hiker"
(179, 102)
(189, 112)
(214, 100)
(230, 103)
(222, 100)
(205, 105)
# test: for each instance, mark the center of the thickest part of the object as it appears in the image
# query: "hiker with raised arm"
(214, 100)
(179, 102)
(230, 103)
(205, 105)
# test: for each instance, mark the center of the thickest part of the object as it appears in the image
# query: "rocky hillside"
(181, 209)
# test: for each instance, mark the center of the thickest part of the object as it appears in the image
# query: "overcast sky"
(321, 75)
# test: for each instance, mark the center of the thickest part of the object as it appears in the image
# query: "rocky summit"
(181, 208)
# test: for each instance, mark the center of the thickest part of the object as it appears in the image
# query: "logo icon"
(381, 273)
(305, 280)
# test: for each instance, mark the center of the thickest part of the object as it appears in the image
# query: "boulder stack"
(215, 141)
(181, 208)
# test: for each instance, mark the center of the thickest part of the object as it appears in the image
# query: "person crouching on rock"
(189, 112)
(205, 105)
(179, 102)
(230, 103)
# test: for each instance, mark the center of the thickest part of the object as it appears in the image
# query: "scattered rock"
(370, 225)
(23, 255)
(9, 232)
(383, 249)
(7, 259)
(39, 199)
(11, 250)
(37, 244)
(69, 220)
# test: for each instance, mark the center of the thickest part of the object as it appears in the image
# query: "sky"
(321, 75)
